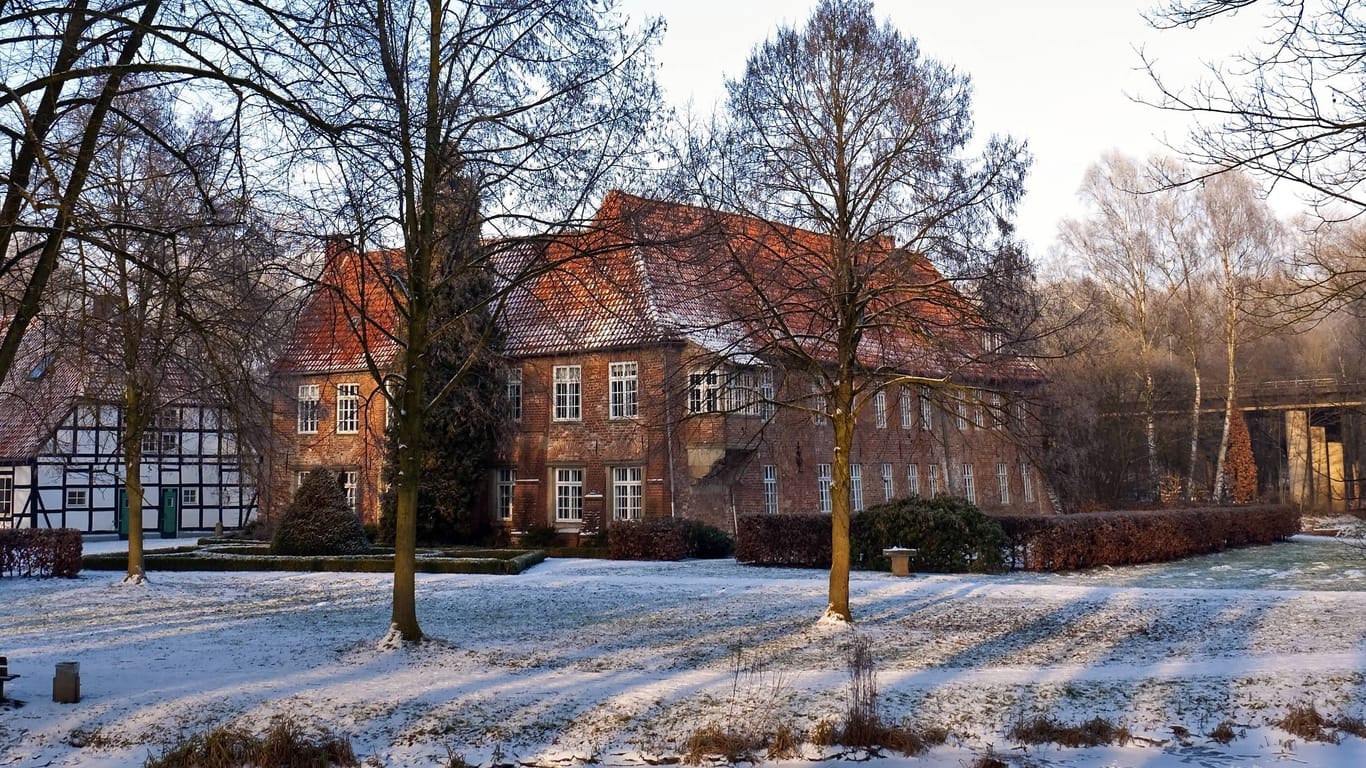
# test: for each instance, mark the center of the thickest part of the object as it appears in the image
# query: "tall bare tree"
(843, 128)
(533, 105)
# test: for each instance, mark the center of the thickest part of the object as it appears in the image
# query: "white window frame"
(904, 404)
(349, 479)
(770, 489)
(568, 494)
(310, 407)
(888, 484)
(1003, 482)
(504, 492)
(79, 502)
(856, 486)
(926, 409)
(880, 410)
(913, 479)
(818, 407)
(706, 389)
(743, 393)
(512, 387)
(998, 415)
(961, 409)
(623, 388)
(393, 392)
(969, 485)
(934, 481)
(1027, 481)
(766, 405)
(628, 492)
(348, 409)
(6, 501)
(189, 497)
(568, 391)
(824, 480)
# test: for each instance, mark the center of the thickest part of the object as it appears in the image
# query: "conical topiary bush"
(319, 521)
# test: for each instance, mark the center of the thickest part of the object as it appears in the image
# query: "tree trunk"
(842, 420)
(410, 447)
(1231, 346)
(1150, 426)
(1195, 432)
(134, 425)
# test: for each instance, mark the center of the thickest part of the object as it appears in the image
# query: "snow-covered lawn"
(620, 662)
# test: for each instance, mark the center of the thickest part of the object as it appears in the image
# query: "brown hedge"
(797, 541)
(1088, 540)
(666, 538)
(40, 552)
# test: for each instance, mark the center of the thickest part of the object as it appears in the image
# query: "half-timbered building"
(61, 458)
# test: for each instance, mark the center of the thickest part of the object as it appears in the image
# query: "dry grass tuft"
(712, 739)
(283, 745)
(1223, 733)
(1092, 733)
(989, 759)
(1353, 725)
(1305, 722)
(824, 734)
(784, 744)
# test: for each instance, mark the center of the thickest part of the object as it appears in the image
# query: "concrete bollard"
(66, 684)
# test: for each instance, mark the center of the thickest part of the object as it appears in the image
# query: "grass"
(1306, 722)
(1223, 733)
(284, 745)
(1043, 729)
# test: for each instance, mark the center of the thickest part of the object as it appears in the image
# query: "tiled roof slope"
(647, 271)
(351, 311)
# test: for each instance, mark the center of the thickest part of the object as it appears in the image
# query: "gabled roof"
(647, 271)
(352, 311)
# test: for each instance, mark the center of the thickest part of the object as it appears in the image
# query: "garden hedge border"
(26, 552)
(189, 559)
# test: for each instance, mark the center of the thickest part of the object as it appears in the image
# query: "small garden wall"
(40, 552)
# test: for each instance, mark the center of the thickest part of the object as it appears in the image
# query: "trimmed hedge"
(667, 538)
(949, 534)
(1088, 540)
(795, 541)
(40, 552)
(182, 560)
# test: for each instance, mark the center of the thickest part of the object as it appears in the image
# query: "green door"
(122, 513)
(170, 512)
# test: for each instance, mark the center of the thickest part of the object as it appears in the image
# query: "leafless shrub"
(1043, 729)
(284, 745)
(1223, 733)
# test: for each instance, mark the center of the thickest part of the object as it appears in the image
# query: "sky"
(1062, 75)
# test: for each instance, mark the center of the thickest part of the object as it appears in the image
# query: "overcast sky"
(1060, 74)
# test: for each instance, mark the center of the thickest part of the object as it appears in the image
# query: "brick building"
(642, 385)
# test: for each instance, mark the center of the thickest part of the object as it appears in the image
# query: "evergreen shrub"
(319, 521)
(949, 534)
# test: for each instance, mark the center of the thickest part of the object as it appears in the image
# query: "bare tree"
(842, 128)
(532, 105)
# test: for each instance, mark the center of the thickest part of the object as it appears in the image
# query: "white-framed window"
(856, 486)
(770, 489)
(998, 414)
(704, 392)
(310, 398)
(299, 478)
(979, 416)
(888, 485)
(962, 412)
(744, 392)
(77, 498)
(926, 409)
(934, 481)
(505, 487)
(819, 406)
(823, 481)
(189, 497)
(904, 405)
(512, 381)
(568, 494)
(151, 440)
(628, 493)
(349, 479)
(394, 390)
(1026, 481)
(969, 487)
(1021, 416)
(1003, 482)
(880, 410)
(913, 479)
(568, 393)
(766, 405)
(6, 501)
(623, 387)
(348, 409)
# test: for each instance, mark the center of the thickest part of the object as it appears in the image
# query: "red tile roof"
(353, 310)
